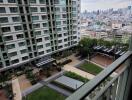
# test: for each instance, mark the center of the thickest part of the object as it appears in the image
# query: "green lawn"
(45, 93)
(91, 68)
(76, 76)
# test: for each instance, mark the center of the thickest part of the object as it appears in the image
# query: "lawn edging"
(41, 84)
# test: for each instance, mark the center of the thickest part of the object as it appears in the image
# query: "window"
(42, 1)
(64, 9)
(59, 47)
(1, 65)
(46, 31)
(74, 37)
(19, 36)
(39, 40)
(49, 50)
(15, 61)
(64, 16)
(59, 35)
(59, 41)
(40, 46)
(13, 9)
(16, 19)
(58, 29)
(21, 44)
(44, 24)
(64, 22)
(7, 63)
(17, 28)
(6, 29)
(10, 46)
(33, 9)
(74, 9)
(74, 15)
(38, 33)
(23, 51)
(8, 38)
(47, 44)
(42, 52)
(36, 25)
(56, 1)
(74, 32)
(32, 1)
(64, 28)
(2, 10)
(74, 2)
(65, 40)
(47, 38)
(11, 1)
(44, 17)
(65, 34)
(35, 18)
(43, 9)
(1, 40)
(57, 16)
(57, 9)
(58, 22)
(25, 58)
(3, 20)
(12, 54)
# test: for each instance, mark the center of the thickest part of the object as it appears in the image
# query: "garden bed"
(76, 76)
(6, 92)
(45, 93)
(90, 68)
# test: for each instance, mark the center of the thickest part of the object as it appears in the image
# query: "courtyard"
(86, 71)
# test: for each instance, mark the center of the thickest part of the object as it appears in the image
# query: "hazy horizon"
(94, 5)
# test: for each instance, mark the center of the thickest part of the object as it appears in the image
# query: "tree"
(86, 46)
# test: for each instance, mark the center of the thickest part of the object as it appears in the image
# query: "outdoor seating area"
(117, 52)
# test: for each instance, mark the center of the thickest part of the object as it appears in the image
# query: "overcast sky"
(91, 5)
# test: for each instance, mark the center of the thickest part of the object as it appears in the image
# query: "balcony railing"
(113, 83)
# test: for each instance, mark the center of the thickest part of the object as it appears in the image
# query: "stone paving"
(102, 60)
(16, 89)
(24, 82)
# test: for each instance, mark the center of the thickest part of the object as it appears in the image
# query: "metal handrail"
(86, 89)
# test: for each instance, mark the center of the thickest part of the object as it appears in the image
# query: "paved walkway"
(60, 90)
(31, 89)
(78, 71)
(16, 89)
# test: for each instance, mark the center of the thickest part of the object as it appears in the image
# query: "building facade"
(31, 29)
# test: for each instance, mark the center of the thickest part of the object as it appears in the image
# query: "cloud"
(91, 5)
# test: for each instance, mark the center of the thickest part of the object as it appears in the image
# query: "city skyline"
(94, 5)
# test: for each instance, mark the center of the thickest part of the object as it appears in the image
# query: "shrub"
(75, 76)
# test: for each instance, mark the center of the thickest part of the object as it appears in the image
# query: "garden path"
(16, 89)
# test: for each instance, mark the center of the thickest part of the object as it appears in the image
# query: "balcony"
(106, 87)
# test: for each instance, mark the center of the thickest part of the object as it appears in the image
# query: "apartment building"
(33, 29)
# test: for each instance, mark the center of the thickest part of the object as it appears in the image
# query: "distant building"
(116, 25)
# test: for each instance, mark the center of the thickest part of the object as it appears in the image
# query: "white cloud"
(91, 5)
